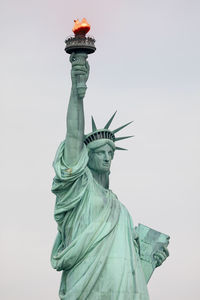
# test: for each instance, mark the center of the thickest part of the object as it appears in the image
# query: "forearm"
(75, 113)
(75, 129)
(75, 116)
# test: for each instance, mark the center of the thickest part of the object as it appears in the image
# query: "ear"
(113, 154)
(90, 152)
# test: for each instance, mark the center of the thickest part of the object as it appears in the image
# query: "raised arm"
(75, 113)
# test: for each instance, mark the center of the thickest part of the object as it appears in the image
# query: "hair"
(92, 146)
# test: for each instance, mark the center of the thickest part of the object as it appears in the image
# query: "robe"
(96, 246)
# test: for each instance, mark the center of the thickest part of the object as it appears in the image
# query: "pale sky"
(146, 66)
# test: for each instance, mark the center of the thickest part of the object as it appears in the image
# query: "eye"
(110, 153)
(99, 153)
(73, 59)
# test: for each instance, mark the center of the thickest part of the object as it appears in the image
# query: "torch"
(82, 45)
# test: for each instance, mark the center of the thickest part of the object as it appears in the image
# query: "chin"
(105, 169)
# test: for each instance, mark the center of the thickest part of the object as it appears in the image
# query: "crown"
(105, 133)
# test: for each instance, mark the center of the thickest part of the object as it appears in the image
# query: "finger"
(79, 67)
(162, 253)
(162, 256)
(157, 260)
(75, 73)
(161, 260)
(87, 66)
(79, 70)
(166, 251)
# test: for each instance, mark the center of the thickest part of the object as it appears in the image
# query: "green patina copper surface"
(100, 253)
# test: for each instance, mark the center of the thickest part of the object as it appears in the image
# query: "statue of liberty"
(100, 253)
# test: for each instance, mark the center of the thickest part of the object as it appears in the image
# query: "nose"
(107, 157)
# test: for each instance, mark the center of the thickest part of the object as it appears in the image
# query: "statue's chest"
(99, 199)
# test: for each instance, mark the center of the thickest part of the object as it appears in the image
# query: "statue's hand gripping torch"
(80, 72)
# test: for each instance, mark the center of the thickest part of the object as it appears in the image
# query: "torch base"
(80, 44)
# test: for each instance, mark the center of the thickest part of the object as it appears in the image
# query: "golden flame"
(81, 27)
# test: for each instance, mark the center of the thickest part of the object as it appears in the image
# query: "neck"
(101, 178)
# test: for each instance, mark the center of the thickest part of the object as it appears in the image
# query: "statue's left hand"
(160, 256)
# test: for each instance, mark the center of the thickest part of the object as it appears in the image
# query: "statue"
(100, 253)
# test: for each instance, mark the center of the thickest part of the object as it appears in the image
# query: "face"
(100, 159)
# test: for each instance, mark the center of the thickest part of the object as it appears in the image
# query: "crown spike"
(94, 127)
(118, 148)
(120, 128)
(123, 137)
(110, 121)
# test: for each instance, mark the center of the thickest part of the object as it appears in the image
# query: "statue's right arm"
(75, 113)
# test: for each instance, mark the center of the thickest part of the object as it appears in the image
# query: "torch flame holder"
(80, 43)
